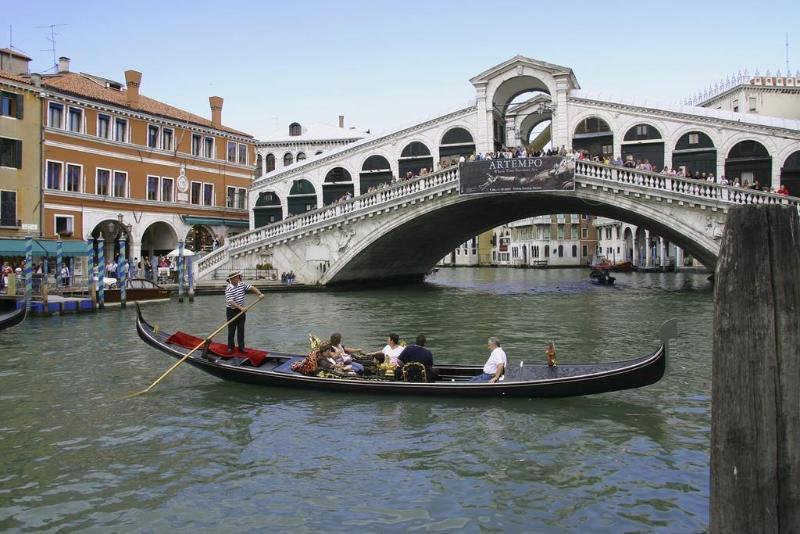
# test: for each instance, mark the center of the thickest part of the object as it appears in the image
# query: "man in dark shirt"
(417, 353)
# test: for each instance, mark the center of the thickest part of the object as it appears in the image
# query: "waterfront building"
(619, 242)
(20, 152)
(564, 240)
(118, 163)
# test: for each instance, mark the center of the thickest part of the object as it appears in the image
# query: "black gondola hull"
(13, 318)
(564, 381)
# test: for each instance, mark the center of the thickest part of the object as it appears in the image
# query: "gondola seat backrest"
(414, 372)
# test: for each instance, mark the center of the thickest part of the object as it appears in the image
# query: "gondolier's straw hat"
(234, 274)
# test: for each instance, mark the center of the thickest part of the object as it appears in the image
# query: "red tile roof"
(14, 77)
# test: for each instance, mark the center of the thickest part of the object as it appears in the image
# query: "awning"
(216, 221)
(42, 247)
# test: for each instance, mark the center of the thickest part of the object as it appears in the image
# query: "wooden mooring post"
(755, 419)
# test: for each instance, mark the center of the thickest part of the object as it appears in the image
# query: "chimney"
(63, 64)
(216, 111)
(341, 121)
(133, 79)
(36, 78)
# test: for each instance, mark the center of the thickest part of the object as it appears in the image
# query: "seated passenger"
(496, 364)
(391, 351)
(345, 354)
(417, 353)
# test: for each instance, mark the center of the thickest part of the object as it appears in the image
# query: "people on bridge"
(416, 352)
(234, 301)
(496, 365)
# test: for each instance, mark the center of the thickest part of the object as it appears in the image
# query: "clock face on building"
(183, 184)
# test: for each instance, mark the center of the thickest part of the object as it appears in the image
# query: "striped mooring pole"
(190, 280)
(28, 272)
(180, 271)
(59, 256)
(90, 271)
(101, 272)
(123, 272)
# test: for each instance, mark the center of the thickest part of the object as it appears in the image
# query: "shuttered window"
(10, 153)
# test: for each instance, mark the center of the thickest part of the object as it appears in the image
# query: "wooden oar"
(211, 336)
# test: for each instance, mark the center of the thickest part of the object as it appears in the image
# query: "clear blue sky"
(384, 63)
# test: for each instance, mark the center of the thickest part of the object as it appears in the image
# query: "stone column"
(678, 258)
(485, 141)
(635, 243)
(648, 252)
(663, 253)
(560, 118)
(721, 165)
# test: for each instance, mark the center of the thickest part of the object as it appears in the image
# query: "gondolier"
(234, 300)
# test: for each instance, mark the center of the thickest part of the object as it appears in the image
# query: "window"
(736, 105)
(294, 129)
(560, 231)
(574, 251)
(243, 154)
(166, 189)
(617, 232)
(8, 208)
(120, 184)
(641, 130)
(10, 153)
(196, 190)
(208, 194)
(152, 136)
(752, 101)
(241, 201)
(560, 251)
(196, 142)
(585, 250)
(546, 232)
(230, 198)
(102, 179)
(75, 123)
(152, 187)
(53, 176)
(574, 232)
(55, 115)
(301, 156)
(208, 147)
(73, 180)
(270, 163)
(64, 224)
(11, 105)
(231, 152)
(287, 159)
(120, 130)
(103, 126)
(694, 138)
(585, 233)
(166, 138)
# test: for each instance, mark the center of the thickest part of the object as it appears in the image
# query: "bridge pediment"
(521, 65)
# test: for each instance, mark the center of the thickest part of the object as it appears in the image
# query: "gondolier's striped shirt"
(236, 294)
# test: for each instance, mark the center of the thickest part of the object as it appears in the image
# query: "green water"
(200, 454)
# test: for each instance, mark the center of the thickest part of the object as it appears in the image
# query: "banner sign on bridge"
(525, 175)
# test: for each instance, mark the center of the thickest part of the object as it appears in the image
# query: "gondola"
(12, 318)
(601, 278)
(521, 380)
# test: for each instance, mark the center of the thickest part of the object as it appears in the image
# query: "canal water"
(201, 454)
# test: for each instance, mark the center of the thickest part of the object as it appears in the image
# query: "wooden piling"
(755, 426)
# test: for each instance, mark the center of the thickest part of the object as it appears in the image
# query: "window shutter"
(20, 99)
(18, 154)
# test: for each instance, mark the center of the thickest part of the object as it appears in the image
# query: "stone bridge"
(400, 232)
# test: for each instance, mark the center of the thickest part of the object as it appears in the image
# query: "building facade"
(116, 163)
(564, 240)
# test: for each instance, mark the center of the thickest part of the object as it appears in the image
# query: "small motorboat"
(521, 379)
(12, 318)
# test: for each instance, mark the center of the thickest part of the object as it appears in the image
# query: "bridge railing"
(681, 185)
(354, 205)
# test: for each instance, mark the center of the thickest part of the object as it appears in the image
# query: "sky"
(383, 64)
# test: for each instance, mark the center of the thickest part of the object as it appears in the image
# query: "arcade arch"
(749, 161)
(790, 174)
(338, 183)
(644, 142)
(594, 135)
(201, 238)
(696, 152)
(159, 239)
(267, 209)
(111, 231)
(375, 171)
(456, 142)
(302, 197)
(414, 157)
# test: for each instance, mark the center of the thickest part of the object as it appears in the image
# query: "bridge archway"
(375, 171)
(267, 209)
(302, 197)
(415, 157)
(436, 227)
(790, 174)
(537, 134)
(644, 142)
(593, 135)
(749, 161)
(270, 162)
(696, 152)
(456, 142)
(338, 183)
(509, 93)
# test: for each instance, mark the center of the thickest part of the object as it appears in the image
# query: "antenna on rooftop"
(787, 53)
(52, 39)
(11, 40)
